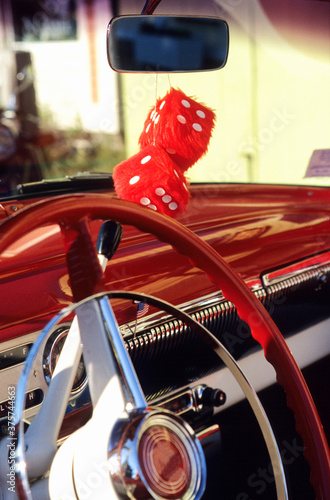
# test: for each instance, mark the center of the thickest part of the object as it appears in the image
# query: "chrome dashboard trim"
(314, 265)
(195, 306)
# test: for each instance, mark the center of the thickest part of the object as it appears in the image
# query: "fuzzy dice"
(181, 126)
(153, 180)
(176, 134)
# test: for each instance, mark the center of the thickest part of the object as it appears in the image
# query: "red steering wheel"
(73, 212)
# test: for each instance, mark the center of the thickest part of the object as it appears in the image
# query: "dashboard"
(272, 238)
(296, 296)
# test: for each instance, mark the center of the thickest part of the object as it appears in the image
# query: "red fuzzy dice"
(181, 126)
(176, 134)
(151, 179)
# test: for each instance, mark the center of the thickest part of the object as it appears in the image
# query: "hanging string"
(156, 97)
(156, 89)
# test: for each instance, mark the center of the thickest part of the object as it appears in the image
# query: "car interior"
(165, 321)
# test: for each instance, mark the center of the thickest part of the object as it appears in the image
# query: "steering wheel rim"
(67, 210)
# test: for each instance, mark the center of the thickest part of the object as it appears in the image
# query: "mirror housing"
(158, 44)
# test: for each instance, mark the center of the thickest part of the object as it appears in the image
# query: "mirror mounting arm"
(150, 6)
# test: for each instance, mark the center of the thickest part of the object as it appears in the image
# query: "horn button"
(160, 457)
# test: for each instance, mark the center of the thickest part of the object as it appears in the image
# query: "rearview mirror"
(167, 44)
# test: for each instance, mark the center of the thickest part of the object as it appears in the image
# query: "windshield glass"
(64, 111)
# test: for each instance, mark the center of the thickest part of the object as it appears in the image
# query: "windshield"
(65, 112)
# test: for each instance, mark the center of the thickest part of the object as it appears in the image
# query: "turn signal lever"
(109, 237)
